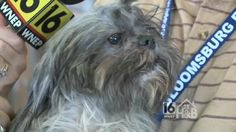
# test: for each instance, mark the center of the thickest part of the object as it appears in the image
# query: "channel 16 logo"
(169, 110)
(185, 110)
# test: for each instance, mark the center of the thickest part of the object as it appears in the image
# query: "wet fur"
(85, 84)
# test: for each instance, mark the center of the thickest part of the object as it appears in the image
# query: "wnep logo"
(184, 110)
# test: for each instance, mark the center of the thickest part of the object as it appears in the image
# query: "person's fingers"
(4, 119)
(13, 54)
(2, 21)
(16, 65)
(17, 61)
(10, 55)
(13, 40)
(6, 107)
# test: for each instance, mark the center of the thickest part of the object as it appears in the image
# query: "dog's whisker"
(155, 13)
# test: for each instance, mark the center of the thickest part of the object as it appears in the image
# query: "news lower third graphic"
(183, 110)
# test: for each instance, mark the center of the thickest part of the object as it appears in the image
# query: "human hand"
(13, 54)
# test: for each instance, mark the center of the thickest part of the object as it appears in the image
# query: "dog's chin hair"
(87, 117)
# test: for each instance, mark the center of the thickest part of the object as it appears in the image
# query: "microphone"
(37, 22)
(71, 2)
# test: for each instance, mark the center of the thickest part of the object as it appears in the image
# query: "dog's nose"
(146, 40)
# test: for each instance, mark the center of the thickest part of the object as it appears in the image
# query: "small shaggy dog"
(106, 71)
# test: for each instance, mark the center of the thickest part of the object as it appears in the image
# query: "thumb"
(2, 21)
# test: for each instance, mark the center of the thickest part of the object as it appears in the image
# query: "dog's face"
(115, 53)
(114, 56)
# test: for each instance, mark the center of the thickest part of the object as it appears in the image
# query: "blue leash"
(166, 19)
(201, 57)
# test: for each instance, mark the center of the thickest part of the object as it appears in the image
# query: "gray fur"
(85, 84)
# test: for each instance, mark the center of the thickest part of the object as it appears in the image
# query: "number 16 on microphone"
(35, 20)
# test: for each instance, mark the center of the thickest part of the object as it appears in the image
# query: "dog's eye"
(114, 38)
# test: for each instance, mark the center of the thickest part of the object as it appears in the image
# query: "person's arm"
(13, 54)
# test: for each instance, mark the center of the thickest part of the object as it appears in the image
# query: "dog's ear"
(38, 100)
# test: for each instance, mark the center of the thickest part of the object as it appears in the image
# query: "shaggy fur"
(86, 83)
